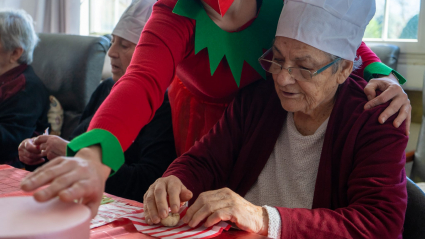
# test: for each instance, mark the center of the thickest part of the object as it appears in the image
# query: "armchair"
(70, 67)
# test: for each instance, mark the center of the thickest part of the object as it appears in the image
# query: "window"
(99, 17)
(398, 22)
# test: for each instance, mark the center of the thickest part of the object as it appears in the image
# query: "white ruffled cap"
(333, 26)
(133, 20)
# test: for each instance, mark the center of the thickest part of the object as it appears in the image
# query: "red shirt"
(166, 49)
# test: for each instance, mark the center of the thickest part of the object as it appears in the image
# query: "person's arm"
(147, 158)
(367, 56)
(383, 78)
(376, 192)
(18, 119)
(208, 163)
(204, 167)
(130, 106)
(136, 96)
(372, 67)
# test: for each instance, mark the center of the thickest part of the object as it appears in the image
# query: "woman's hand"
(391, 91)
(81, 178)
(155, 203)
(51, 146)
(29, 153)
(226, 205)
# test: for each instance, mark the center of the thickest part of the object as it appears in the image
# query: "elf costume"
(204, 66)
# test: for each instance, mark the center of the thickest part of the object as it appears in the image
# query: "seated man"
(152, 151)
(302, 145)
(24, 100)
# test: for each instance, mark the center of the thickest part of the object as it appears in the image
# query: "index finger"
(41, 139)
(174, 189)
(370, 89)
(160, 192)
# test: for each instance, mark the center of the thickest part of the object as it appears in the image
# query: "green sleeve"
(112, 154)
(375, 69)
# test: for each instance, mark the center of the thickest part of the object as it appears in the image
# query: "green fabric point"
(375, 69)
(112, 154)
(238, 47)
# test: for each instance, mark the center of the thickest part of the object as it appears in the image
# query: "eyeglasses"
(266, 61)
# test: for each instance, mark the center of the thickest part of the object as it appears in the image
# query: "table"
(10, 179)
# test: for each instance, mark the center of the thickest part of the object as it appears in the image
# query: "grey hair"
(17, 31)
(357, 63)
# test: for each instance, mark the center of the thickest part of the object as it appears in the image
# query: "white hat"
(333, 26)
(133, 20)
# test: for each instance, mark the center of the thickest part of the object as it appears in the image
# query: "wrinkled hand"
(391, 90)
(155, 203)
(29, 153)
(81, 178)
(226, 205)
(51, 146)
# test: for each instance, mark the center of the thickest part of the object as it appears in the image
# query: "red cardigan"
(166, 49)
(360, 189)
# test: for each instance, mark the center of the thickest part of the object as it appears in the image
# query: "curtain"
(50, 16)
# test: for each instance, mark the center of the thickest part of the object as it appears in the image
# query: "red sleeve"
(368, 56)
(140, 92)
(376, 192)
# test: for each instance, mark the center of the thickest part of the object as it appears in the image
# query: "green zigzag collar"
(246, 45)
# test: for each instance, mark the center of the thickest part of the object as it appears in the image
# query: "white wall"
(412, 67)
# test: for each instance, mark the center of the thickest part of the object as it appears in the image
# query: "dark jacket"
(149, 155)
(360, 188)
(24, 103)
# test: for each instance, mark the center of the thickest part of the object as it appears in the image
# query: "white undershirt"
(289, 176)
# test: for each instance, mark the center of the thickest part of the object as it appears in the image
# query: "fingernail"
(383, 120)
(41, 194)
(164, 213)
(27, 183)
(149, 221)
(66, 193)
(155, 219)
(367, 107)
(184, 219)
(174, 208)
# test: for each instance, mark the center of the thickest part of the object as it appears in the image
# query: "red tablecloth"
(10, 179)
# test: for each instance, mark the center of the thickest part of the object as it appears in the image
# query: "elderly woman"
(24, 101)
(152, 151)
(301, 145)
(205, 51)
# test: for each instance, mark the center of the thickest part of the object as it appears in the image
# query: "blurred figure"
(24, 101)
(152, 151)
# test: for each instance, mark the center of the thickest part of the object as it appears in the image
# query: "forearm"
(139, 93)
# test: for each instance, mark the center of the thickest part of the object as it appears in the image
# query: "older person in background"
(152, 151)
(24, 101)
(301, 145)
